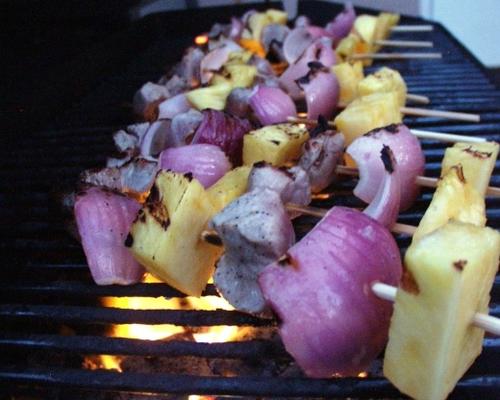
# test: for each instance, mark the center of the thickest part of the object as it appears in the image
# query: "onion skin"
(319, 51)
(272, 105)
(322, 91)
(206, 162)
(385, 206)
(409, 157)
(225, 131)
(340, 27)
(331, 322)
(296, 43)
(104, 219)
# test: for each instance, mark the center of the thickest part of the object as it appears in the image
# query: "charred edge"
(260, 164)
(152, 111)
(129, 241)
(273, 54)
(316, 65)
(303, 80)
(460, 172)
(460, 265)
(141, 217)
(483, 155)
(387, 158)
(188, 176)
(276, 142)
(408, 283)
(392, 128)
(287, 172)
(321, 127)
(154, 194)
(287, 260)
(212, 238)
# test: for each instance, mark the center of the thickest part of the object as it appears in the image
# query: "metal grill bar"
(245, 386)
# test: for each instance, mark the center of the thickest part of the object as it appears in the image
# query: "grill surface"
(46, 284)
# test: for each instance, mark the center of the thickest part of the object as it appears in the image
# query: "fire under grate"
(52, 318)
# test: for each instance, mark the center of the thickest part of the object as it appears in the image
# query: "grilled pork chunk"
(256, 231)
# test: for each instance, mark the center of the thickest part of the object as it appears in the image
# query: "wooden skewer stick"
(443, 137)
(404, 43)
(417, 98)
(423, 112)
(487, 322)
(394, 56)
(412, 28)
(421, 180)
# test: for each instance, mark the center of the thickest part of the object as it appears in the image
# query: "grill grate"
(47, 285)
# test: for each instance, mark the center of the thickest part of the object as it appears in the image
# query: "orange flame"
(200, 40)
(212, 334)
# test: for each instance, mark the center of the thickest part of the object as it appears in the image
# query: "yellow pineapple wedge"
(449, 274)
(349, 75)
(385, 21)
(238, 76)
(454, 198)
(232, 185)
(367, 113)
(477, 159)
(274, 144)
(165, 237)
(365, 26)
(258, 21)
(384, 80)
(353, 44)
(210, 97)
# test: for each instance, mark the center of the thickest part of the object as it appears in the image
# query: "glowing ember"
(200, 40)
(362, 374)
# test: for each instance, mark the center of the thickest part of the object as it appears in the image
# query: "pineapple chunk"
(274, 144)
(165, 238)
(477, 159)
(258, 21)
(365, 26)
(382, 81)
(455, 199)
(235, 75)
(385, 21)
(367, 113)
(348, 75)
(277, 16)
(353, 44)
(232, 185)
(449, 274)
(210, 97)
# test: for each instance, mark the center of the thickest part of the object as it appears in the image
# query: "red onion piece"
(156, 138)
(272, 105)
(104, 219)
(317, 31)
(331, 322)
(206, 162)
(238, 102)
(169, 108)
(237, 27)
(409, 157)
(302, 21)
(225, 131)
(296, 42)
(322, 90)
(321, 51)
(385, 206)
(340, 27)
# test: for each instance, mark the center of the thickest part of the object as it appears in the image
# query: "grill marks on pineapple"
(408, 282)
(460, 265)
(483, 155)
(155, 208)
(460, 172)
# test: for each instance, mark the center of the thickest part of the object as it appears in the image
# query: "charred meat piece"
(147, 98)
(256, 231)
(320, 156)
(292, 184)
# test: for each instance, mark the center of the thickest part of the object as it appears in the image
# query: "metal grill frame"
(46, 279)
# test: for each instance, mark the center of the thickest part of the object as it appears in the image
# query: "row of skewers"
(173, 205)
